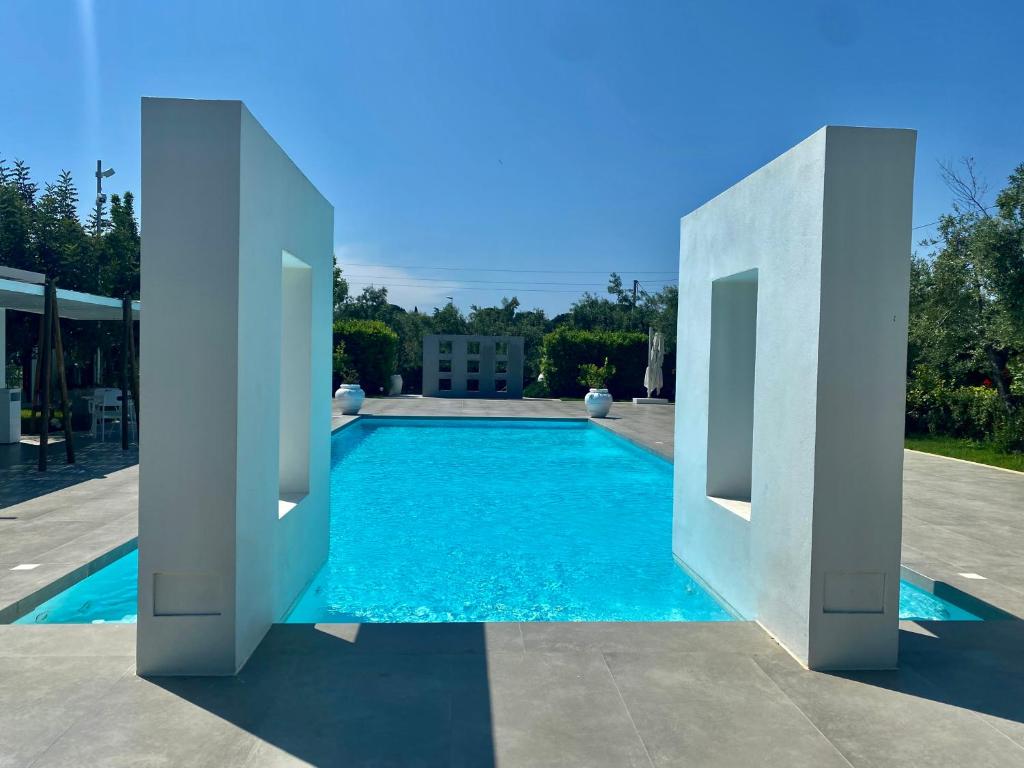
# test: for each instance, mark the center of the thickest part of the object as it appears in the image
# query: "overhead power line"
(506, 289)
(474, 280)
(933, 223)
(513, 269)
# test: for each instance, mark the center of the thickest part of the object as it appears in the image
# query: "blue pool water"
(499, 521)
(110, 595)
(484, 520)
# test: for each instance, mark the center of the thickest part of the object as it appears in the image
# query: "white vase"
(351, 397)
(598, 402)
(396, 385)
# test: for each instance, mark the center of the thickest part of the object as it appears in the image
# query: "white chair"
(107, 407)
(95, 407)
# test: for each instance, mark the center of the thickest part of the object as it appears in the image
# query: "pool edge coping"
(943, 590)
(25, 605)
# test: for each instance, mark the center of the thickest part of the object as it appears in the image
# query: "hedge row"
(369, 348)
(977, 413)
(566, 349)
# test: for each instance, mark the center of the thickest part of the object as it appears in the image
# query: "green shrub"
(926, 398)
(536, 389)
(13, 376)
(596, 376)
(1016, 368)
(974, 413)
(341, 366)
(1009, 432)
(368, 347)
(566, 349)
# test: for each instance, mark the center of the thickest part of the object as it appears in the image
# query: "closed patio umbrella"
(653, 379)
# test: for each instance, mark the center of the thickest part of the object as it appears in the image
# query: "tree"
(507, 320)
(63, 251)
(119, 273)
(448, 319)
(967, 297)
(23, 185)
(340, 292)
(372, 304)
(623, 312)
(43, 233)
(15, 222)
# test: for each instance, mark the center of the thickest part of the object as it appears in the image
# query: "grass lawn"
(958, 448)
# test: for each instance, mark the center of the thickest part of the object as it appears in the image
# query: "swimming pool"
(439, 520)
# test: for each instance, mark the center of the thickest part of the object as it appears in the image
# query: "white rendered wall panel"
(221, 202)
(804, 222)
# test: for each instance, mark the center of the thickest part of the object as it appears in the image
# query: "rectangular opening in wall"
(444, 385)
(472, 385)
(296, 384)
(731, 391)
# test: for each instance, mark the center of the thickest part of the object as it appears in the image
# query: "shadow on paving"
(21, 480)
(976, 666)
(359, 694)
(973, 665)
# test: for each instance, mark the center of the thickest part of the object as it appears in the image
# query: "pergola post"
(45, 354)
(65, 402)
(126, 329)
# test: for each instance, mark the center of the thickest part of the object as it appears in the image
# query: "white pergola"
(24, 291)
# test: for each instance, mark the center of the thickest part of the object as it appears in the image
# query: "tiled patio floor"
(555, 694)
(538, 694)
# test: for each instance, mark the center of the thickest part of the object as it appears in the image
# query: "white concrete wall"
(221, 203)
(827, 227)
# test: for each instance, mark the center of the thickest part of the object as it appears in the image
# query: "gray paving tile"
(42, 696)
(139, 723)
(716, 709)
(93, 543)
(548, 709)
(67, 640)
(21, 481)
(15, 585)
(34, 538)
(658, 637)
(365, 710)
(895, 718)
(417, 639)
(977, 667)
(115, 506)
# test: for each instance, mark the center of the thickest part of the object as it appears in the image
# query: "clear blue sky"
(520, 135)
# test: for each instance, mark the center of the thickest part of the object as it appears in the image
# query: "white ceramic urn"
(598, 402)
(351, 397)
(395, 387)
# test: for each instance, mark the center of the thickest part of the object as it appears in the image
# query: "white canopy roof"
(28, 297)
